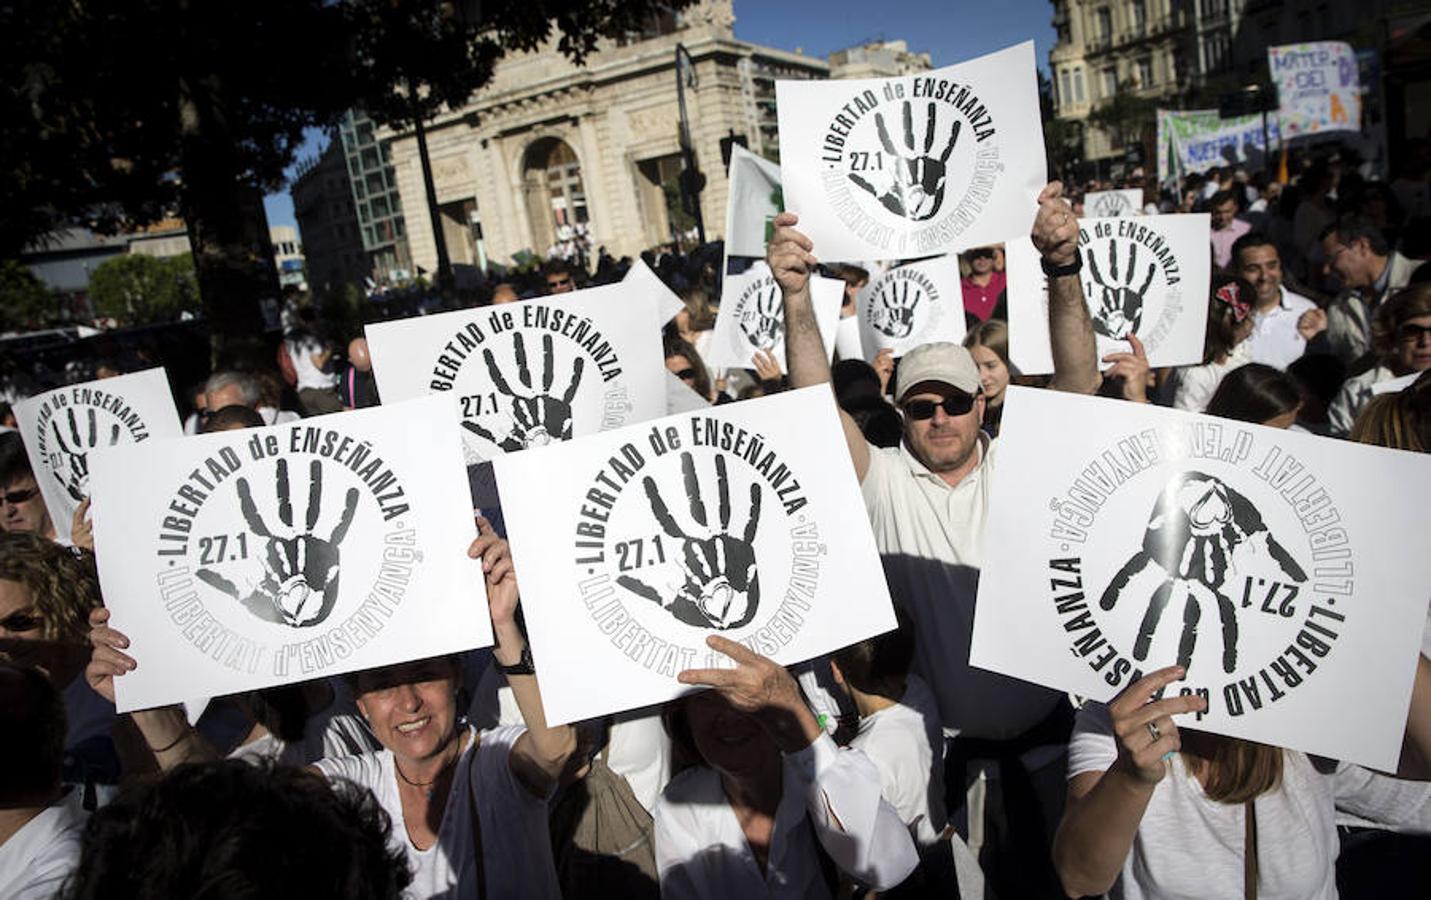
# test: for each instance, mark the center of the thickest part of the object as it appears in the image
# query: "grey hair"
(247, 385)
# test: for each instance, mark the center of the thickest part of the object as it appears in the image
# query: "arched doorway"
(555, 195)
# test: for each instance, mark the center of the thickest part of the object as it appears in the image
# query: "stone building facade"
(548, 143)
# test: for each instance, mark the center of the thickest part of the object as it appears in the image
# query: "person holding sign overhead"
(1156, 811)
(928, 502)
(468, 808)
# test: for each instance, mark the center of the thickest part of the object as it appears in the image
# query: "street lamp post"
(692, 181)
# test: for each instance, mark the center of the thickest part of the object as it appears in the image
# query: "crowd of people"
(891, 767)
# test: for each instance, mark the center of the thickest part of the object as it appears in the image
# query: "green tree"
(1128, 119)
(120, 112)
(135, 289)
(25, 302)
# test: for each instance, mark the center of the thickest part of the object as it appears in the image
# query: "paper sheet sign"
(61, 427)
(1147, 275)
(1113, 204)
(246, 559)
(633, 546)
(641, 278)
(755, 197)
(752, 317)
(909, 305)
(524, 374)
(1272, 564)
(1318, 87)
(899, 168)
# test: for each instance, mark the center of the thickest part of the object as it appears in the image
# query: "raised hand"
(1120, 304)
(912, 185)
(299, 582)
(1143, 724)
(1196, 525)
(75, 478)
(1312, 323)
(721, 588)
(767, 368)
(538, 416)
(762, 321)
(1131, 369)
(760, 687)
(893, 313)
(107, 660)
(789, 255)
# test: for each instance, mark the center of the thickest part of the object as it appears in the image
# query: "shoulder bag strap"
(471, 794)
(1249, 851)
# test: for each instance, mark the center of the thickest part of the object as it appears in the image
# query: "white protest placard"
(847, 338)
(634, 546)
(912, 304)
(1318, 87)
(1147, 276)
(898, 168)
(754, 200)
(246, 559)
(524, 374)
(1274, 565)
(752, 317)
(641, 278)
(61, 427)
(1113, 204)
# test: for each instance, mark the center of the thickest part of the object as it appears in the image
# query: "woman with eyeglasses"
(46, 593)
(23, 507)
(1401, 340)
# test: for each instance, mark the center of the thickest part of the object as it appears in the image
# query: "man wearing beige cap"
(928, 501)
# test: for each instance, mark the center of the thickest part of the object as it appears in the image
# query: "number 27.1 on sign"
(219, 549)
(866, 162)
(1271, 604)
(474, 405)
(641, 552)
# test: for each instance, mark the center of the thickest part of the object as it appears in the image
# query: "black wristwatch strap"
(1053, 271)
(523, 666)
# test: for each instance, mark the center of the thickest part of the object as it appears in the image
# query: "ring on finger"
(1153, 730)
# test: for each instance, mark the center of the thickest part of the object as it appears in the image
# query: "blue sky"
(949, 30)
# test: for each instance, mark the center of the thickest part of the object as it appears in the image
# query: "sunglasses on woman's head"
(953, 405)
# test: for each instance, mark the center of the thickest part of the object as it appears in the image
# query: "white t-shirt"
(1195, 385)
(37, 859)
(302, 350)
(1275, 340)
(516, 846)
(1355, 393)
(701, 851)
(931, 536)
(272, 415)
(1191, 848)
(902, 740)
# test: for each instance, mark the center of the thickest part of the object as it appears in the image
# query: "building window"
(1065, 95)
(1105, 22)
(1110, 81)
(1145, 72)
(1140, 17)
(1078, 93)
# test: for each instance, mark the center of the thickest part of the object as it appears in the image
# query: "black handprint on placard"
(538, 417)
(762, 320)
(721, 587)
(299, 583)
(1120, 305)
(913, 184)
(75, 474)
(1196, 525)
(894, 305)
(1111, 205)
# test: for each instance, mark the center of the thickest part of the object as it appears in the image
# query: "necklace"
(427, 786)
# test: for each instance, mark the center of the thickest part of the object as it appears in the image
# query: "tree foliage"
(120, 112)
(135, 289)
(25, 302)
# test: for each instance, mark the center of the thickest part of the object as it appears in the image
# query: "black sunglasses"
(954, 405)
(15, 498)
(22, 621)
(1410, 331)
(686, 374)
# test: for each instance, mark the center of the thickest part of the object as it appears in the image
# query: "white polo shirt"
(1275, 340)
(37, 859)
(931, 537)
